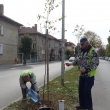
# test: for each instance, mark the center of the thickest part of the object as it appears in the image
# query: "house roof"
(51, 37)
(69, 44)
(65, 40)
(7, 19)
(29, 30)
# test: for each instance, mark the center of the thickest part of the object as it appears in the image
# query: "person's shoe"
(23, 99)
(80, 107)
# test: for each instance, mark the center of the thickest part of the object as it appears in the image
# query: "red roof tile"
(33, 30)
(28, 30)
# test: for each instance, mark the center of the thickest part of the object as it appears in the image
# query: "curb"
(18, 65)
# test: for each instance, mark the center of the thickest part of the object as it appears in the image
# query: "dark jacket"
(83, 63)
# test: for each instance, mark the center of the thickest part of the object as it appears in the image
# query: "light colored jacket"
(32, 80)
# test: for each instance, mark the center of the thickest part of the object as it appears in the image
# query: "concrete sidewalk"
(17, 65)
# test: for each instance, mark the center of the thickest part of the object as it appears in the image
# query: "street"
(9, 80)
(10, 89)
(101, 89)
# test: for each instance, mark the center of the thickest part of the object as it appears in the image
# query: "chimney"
(1, 9)
(35, 27)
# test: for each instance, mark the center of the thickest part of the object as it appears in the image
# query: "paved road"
(101, 89)
(10, 90)
(9, 80)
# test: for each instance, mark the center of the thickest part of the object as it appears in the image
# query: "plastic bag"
(33, 95)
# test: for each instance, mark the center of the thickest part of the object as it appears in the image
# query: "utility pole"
(47, 56)
(63, 44)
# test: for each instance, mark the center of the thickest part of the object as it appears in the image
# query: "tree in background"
(93, 39)
(77, 50)
(51, 54)
(101, 51)
(68, 53)
(44, 19)
(60, 52)
(108, 47)
(49, 26)
(108, 39)
(25, 46)
(78, 32)
(72, 53)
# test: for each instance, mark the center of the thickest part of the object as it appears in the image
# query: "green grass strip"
(68, 92)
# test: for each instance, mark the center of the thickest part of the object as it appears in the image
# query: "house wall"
(39, 40)
(41, 47)
(9, 39)
(54, 44)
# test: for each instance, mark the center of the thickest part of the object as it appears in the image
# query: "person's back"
(27, 76)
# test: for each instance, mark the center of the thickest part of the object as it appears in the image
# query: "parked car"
(109, 59)
(106, 58)
(71, 59)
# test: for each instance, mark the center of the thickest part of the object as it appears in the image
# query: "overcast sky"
(93, 14)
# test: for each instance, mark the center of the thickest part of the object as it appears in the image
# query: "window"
(1, 29)
(28, 56)
(35, 39)
(34, 45)
(1, 48)
(43, 42)
(55, 52)
(49, 45)
(56, 45)
(43, 51)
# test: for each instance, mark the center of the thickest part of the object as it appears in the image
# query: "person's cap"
(82, 40)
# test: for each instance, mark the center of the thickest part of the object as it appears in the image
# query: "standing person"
(28, 76)
(87, 63)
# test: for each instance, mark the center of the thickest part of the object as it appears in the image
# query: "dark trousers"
(24, 92)
(85, 86)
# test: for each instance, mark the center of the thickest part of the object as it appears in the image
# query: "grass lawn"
(68, 92)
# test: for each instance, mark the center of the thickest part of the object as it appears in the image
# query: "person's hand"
(68, 64)
(38, 95)
(26, 90)
(83, 70)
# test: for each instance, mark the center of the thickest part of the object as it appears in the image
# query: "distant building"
(39, 45)
(71, 47)
(8, 38)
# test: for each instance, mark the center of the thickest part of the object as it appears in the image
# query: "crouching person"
(28, 76)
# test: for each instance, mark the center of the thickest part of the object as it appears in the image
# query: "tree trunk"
(50, 57)
(60, 57)
(25, 57)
